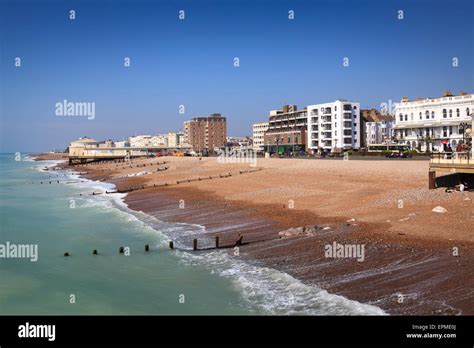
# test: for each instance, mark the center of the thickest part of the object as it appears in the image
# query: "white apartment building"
(433, 124)
(334, 126)
(258, 135)
(175, 139)
(378, 132)
(148, 140)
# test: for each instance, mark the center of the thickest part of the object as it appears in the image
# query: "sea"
(65, 217)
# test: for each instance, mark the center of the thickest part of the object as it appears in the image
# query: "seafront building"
(206, 133)
(286, 130)
(239, 143)
(258, 135)
(175, 139)
(334, 126)
(85, 149)
(433, 124)
(375, 127)
(148, 140)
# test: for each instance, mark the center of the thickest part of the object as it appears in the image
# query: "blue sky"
(190, 62)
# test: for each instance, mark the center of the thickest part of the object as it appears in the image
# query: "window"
(401, 117)
(450, 113)
(406, 117)
(427, 114)
(444, 113)
(432, 114)
(420, 116)
(457, 113)
(411, 117)
(467, 112)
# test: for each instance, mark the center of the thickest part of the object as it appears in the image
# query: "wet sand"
(409, 266)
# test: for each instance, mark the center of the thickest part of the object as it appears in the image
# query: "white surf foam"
(277, 292)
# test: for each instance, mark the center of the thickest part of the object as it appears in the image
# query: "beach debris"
(439, 209)
(301, 231)
(404, 219)
(138, 174)
(401, 233)
(291, 232)
(326, 228)
(350, 220)
(467, 199)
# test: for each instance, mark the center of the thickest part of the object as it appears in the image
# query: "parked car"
(399, 154)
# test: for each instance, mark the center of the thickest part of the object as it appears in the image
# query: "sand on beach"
(416, 261)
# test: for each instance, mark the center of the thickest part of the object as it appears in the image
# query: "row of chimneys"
(445, 94)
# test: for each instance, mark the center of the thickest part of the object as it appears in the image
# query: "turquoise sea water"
(142, 283)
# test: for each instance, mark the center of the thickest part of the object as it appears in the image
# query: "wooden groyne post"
(432, 179)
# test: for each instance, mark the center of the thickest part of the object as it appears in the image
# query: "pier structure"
(89, 150)
(457, 162)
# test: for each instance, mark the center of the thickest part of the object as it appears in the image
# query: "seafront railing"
(464, 157)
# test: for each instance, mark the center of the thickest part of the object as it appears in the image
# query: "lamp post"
(462, 128)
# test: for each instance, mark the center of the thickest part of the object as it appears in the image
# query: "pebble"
(439, 209)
